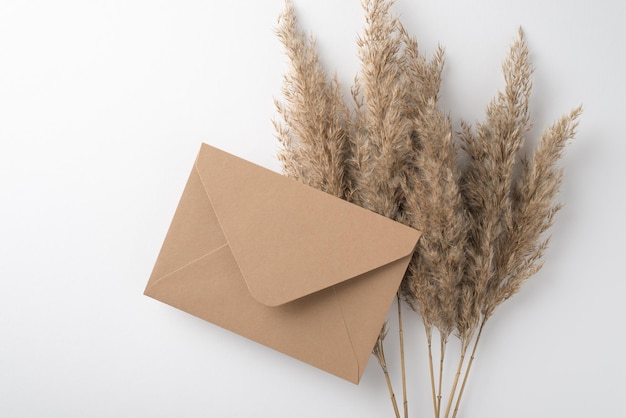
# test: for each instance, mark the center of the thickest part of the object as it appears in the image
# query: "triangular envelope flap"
(289, 239)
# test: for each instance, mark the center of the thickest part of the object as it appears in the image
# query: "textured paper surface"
(281, 263)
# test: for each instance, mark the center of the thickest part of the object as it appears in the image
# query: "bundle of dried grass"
(396, 154)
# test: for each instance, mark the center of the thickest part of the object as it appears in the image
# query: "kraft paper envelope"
(281, 263)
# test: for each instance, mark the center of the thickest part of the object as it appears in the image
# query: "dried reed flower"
(435, 207)
(316, 121)
(382, 140)
(488, 181)
(533, 209)
(508, 214)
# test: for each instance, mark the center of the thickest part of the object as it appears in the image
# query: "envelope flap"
(291, 240)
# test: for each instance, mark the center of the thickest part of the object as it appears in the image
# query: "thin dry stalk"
(468, 368)
(431, 369)
(379, 352)
(457, 375)
(442, 349)
(405, 402)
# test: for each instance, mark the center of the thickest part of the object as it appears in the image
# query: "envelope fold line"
(345, 325)
(187, 265)
(290, 240)
(219, 221)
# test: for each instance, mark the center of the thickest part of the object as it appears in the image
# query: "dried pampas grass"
(315, 133)
(394, 151)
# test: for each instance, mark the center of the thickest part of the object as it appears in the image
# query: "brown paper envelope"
(281, 263)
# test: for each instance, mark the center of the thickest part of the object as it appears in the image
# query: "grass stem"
(455, 383)
(405, 402)
(442, 348)
(430, 364)
(469, 367)
(380, 354)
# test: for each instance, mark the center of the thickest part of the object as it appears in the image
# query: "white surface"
(103, 106)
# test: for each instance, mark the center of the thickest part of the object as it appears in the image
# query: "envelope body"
(281, 263)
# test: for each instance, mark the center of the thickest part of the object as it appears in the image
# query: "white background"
(103, 106)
